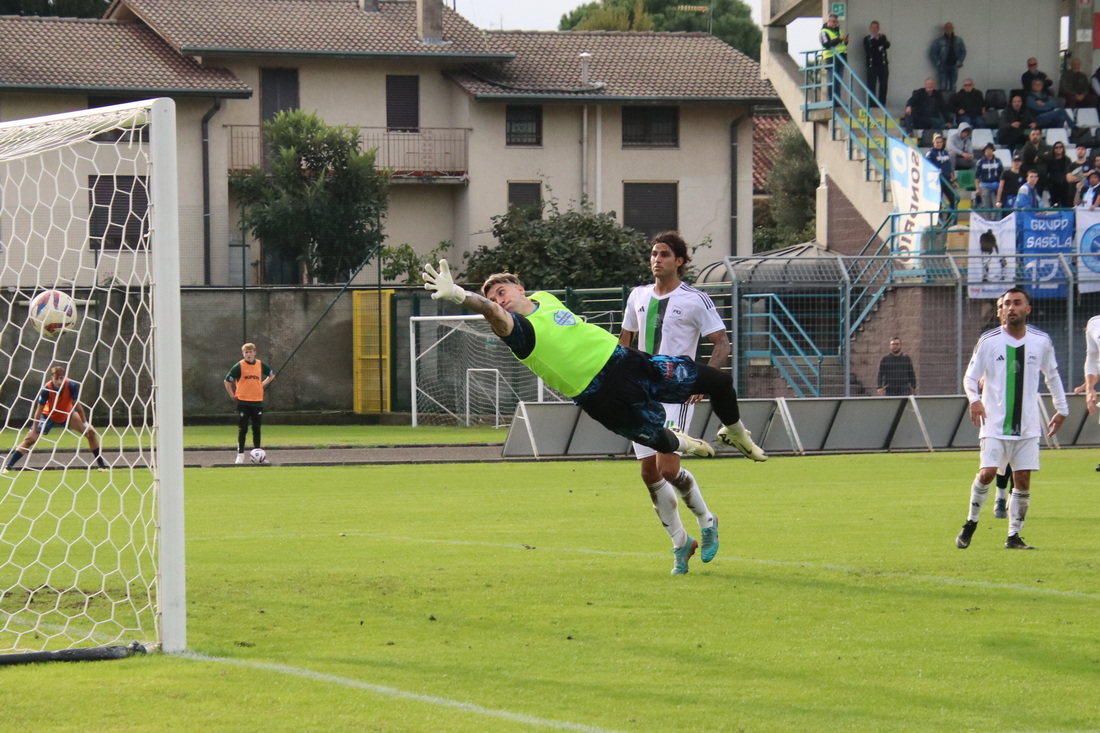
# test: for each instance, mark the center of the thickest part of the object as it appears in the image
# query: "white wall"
(1000, 35)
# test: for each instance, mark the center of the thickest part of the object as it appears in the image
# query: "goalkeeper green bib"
(568, 352)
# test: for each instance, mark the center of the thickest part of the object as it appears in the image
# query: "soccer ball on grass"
(52, 312)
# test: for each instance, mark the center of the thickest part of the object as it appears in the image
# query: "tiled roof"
(70, 54)
(765, 129)
(657, 66)
(305, 28)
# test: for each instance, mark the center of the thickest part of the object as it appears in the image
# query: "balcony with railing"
(423, 154)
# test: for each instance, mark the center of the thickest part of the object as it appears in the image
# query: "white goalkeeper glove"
(442, 284)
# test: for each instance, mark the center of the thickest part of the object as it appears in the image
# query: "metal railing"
(773, 334)
(937, 302)
(422, 153)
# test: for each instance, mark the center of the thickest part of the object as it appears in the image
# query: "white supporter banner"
(991, 265)
(915, 185)
(1087, 236)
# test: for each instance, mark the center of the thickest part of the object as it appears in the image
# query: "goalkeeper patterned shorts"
(627, 396)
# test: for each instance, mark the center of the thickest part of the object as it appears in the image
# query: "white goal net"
(90, 557)
(463, 374)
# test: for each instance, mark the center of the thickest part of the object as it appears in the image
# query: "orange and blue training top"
(57, 404)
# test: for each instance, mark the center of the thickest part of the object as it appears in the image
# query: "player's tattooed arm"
(499, 319)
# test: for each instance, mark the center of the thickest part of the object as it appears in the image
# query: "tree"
(319, 201)
(579, 248)
(792, 184)
(730, 20)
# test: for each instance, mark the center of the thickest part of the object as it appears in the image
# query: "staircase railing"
(857, 115)
(773, 333)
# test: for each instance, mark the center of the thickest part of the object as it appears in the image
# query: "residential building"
(654, 126)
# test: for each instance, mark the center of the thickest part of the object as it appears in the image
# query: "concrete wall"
(1000, 35)
(318, 378)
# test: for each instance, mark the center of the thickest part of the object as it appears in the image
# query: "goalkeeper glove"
(442, 284)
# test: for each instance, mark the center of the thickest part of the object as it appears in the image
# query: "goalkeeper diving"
(620, 387)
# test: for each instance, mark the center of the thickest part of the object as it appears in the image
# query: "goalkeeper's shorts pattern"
(627, 396)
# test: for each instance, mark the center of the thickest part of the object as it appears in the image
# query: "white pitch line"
(393, 692)
(724, 558)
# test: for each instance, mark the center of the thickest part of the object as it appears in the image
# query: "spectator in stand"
(1046, 108)
(968, 105)
(961, 147)
(1089, 197)
(1011, 180)
(1028, 197)
(988, 174)
(1058, 168)
(1032, 74)
(947, 54)
(878, 65)
(834, 44)
(939, 157)
(1094, 85)
(926, 109)
(1074, 87)
(1016, 120)
(1079, 170)
(1035, 153)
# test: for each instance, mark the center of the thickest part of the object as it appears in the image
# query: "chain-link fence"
(819, 326)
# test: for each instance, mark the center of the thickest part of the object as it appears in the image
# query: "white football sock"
(979, 492)
(1017, 511)
(665, 504)
(688, 489)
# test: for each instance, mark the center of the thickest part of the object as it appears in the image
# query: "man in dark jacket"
(926, 109)
(1016, 122)
(896, 377)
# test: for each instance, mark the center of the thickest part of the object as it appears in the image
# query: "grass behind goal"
(536, 596)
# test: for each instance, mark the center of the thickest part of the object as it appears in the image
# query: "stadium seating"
(981, 138)
(996, 98)
(1087, 117)
(1056, 135)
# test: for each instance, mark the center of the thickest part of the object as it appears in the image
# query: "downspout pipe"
(206, 215)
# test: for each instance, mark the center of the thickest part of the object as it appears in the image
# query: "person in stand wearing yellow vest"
(834, 44)
(245, 384)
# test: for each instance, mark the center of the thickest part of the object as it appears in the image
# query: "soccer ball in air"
(52, 312)
(258, 455)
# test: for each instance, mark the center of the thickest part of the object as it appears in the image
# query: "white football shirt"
(671, 324)
(1010, 394)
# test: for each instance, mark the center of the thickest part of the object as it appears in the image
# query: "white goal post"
(89, 206)
(463, 374)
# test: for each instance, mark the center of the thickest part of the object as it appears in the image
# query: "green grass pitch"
(537, 596)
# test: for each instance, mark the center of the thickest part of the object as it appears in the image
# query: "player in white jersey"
(668, 317)
(1092, 363)
(1008, 361)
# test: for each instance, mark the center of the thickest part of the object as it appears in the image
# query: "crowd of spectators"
(1036, 124)
(1024, 134)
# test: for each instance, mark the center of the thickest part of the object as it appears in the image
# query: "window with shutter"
(118, 212)
(278, 91)
(523, 125)
(524, 193)
(650, 208)
(403, 103)
(651, 127)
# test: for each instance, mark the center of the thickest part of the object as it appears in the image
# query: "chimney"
(429, 20)
(368, 6)
(585, 57)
